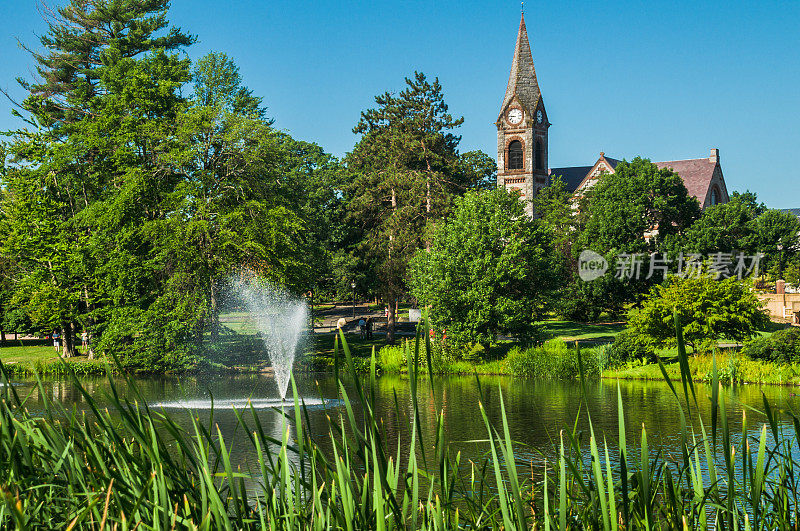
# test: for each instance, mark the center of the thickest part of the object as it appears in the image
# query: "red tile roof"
(696, 174)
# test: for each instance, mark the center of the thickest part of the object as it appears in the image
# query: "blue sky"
(666, 80)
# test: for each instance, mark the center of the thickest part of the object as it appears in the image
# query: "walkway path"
(325, 320)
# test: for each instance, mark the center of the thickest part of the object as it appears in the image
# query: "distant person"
(362, 327)
(369, 327)
(85, 340)
(56, 340)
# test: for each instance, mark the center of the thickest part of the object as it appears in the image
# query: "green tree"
(489, 270)
(777, 234)
(128, 203)
(313, 185)
(709, 310)
(404, 172)
(636, 208)
(227, 210)
(726, 227)
(554, 210)
(92, 164)
(478, 171)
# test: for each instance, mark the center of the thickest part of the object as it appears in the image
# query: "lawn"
(31, 353)
(575, 331)
(360, 348)
(27, 353)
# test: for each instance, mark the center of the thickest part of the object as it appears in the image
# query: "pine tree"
(404, 173)
(90, 170)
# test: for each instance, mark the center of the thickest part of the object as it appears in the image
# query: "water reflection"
(536, 410)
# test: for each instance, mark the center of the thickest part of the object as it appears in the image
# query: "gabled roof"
(795, 211)
(522, 81)
(603, 164)
(696, 175)
(572, 176)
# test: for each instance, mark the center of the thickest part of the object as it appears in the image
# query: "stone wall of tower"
(522, 94)
(522, 180)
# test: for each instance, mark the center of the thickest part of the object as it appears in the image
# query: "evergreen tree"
(404, 173)
(87, 178)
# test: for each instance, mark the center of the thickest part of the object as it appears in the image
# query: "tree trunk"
(2, 337)
(214, 313)
(390, 324)
(71, 334)
(428, 195)
(66, 351)
(89, 323)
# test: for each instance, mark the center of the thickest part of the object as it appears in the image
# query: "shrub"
(628, 345)
(554, 360)
(783, 347)
(392, 358)
(708, 309)
(475, 353)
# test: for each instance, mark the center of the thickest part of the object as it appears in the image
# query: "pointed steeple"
(522, 80)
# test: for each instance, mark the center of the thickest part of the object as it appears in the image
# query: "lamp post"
(353, 285)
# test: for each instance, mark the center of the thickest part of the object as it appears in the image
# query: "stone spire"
(522, 80)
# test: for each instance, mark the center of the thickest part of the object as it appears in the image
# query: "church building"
(522, 144)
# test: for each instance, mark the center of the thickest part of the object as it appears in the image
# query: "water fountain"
(279, 319)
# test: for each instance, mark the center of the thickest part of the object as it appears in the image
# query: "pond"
(537, 410)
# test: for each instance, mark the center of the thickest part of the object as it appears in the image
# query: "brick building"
(522, 144)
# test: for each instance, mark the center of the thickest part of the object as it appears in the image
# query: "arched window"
(515, 155)
(539, 155)
(714, 196)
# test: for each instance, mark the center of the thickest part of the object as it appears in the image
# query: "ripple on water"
(244, 403)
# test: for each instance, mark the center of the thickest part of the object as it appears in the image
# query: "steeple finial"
(522, 6)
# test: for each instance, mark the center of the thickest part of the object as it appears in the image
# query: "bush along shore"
(773, 359)
(556, 359)
(140, 468)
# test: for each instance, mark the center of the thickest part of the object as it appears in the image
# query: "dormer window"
(515, 155)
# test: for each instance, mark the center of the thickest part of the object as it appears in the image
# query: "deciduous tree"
(709, 310)
(489, 269)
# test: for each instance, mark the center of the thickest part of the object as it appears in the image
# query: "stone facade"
(523, 118)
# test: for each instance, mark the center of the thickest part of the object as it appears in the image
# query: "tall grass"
(138, 469)
(556, 360)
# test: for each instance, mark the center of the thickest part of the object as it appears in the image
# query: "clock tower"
(522, 128)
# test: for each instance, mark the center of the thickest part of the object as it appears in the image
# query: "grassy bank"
(732, 367)
(29, 356)
(557, 359)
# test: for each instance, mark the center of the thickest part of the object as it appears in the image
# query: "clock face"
(539, 116)
(515, 116)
